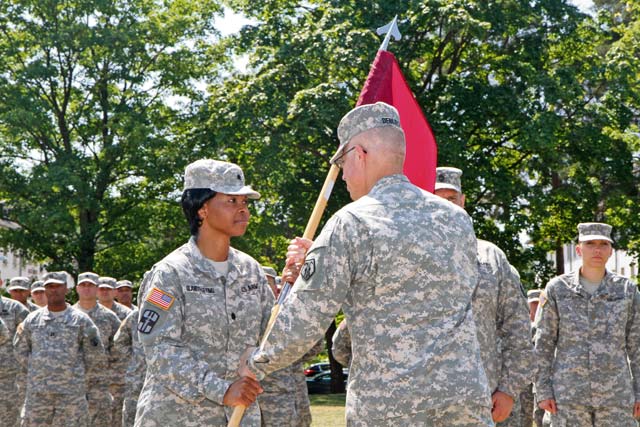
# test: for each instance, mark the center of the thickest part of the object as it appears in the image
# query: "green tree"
(95, 103)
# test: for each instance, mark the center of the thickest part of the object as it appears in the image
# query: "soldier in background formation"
(38, 295)
(12, 378)
(501, 315)
(124, 294)
(60, 347)
(101, 403)
(416, 357)
(127, 345)
(19, 289)
(587, 341)
(285, 400)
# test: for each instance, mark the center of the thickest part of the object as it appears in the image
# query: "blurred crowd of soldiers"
(438, 328)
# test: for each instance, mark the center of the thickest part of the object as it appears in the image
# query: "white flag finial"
(391, 29)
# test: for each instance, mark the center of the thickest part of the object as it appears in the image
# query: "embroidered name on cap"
(160, 299)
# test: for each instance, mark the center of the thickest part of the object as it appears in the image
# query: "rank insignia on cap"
(308, 269)
(160, 299)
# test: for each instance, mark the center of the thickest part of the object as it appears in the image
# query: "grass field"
(327, 410)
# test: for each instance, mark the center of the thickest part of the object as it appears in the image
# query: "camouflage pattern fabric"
(122, 311)
(502, 319)
(12, 376)
(32, 307)
(98, 396)
(285, 401)
(447, 416)
(127, 345)
(588, 346)
(341, 345)
(194, 325)
(584, 416)
(60, 351)
(55, 410)
(118, 368)
(401, 263)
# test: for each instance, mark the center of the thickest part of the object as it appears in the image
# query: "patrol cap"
(89, 277)
(59, 277)
(107, 282)
(221, 177)
(362, 119)
(269, 271)
(594, 231)
(37, 285)
(20, 282)
(533, 295)
(448, 178)
(124, 284)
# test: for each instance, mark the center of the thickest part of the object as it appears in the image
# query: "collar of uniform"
(574, 283)
(386, 181)
(47, 314)
(205, 265)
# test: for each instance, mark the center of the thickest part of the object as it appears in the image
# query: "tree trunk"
(337, 377)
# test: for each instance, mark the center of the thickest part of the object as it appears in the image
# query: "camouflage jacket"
(588, 346)
(401, 263)
(60, 352)
(128, 347)
(107, 323)
(194, 325)
(12, 314)
(502, 318)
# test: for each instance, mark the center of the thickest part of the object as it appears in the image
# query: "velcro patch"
(308, 269)
(160, 299)
(148, 321)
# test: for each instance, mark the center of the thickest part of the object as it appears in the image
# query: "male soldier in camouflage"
(99, 397)
(124, 293)
(38, 295)
(60, 347)
(106, 296)
(203, 305)
(501, 315)
(400, 262)
(12, 377)
(127, 345)
(19, 289)
(588, 341)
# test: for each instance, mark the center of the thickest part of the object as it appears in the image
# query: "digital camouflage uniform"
(341, 345)
(401, 263)
(60, 351)
(12, 376)
(194, 325)
(117, 367)
(504, 330)
(285, 400)
(588, 350)
(5, 335)
(127, 345)
(98, 396)
(32, 306)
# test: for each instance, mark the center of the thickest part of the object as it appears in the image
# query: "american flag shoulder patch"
(160, 299)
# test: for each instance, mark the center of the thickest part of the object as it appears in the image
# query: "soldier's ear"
(579, 250)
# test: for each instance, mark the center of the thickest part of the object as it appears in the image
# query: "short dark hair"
(192, 201)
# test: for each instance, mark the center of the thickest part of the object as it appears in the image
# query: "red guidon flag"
(387, 84)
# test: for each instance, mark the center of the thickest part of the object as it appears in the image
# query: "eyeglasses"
(339, 162)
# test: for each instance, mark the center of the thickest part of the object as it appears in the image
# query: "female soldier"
(203, 305)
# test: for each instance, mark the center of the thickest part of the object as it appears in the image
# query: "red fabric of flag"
(387, 84)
